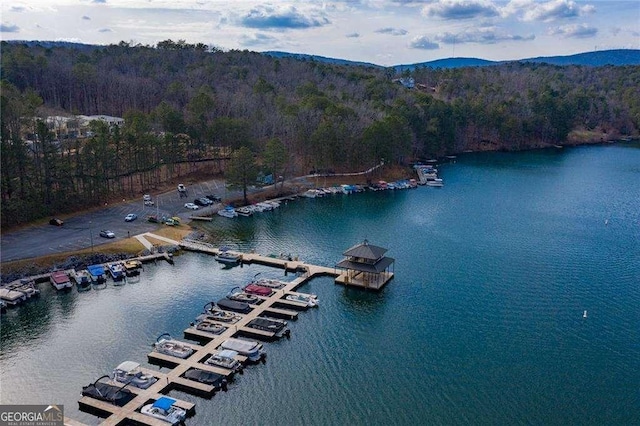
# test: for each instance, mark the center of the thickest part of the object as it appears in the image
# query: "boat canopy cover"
(234, 305)
(239, 345)
(228, 353)
(106, 392)
(128, 366)
(164, 403)
(96, 269)
(202, 376)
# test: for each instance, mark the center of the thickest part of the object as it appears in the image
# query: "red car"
(258, 290)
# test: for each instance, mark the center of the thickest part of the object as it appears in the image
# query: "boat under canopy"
(234, 306)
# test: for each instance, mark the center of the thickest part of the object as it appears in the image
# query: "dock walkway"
(274, 305)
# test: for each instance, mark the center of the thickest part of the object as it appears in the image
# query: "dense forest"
(189, 108)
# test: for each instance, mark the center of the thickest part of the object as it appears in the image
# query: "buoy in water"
(584, 314)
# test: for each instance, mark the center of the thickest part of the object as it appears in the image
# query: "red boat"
(258, 290)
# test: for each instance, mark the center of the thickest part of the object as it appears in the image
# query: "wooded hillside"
(184, 103)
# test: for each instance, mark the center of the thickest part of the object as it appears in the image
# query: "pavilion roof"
(365, 251)
(377, 267)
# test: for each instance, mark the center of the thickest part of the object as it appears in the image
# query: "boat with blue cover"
(97, 274)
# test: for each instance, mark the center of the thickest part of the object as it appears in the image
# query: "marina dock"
(272, 306)
(276, 306)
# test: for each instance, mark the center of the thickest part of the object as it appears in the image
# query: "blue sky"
(384, 32)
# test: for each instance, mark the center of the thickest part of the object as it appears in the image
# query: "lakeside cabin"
(365, 266)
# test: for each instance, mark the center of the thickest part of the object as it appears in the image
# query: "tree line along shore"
(191, 111)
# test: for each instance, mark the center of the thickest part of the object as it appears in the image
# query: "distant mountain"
(597, 58)
(617, 57)
(305, 57)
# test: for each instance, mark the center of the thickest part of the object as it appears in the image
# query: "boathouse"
(366, 266)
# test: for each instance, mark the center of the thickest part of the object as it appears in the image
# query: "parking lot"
(82, 230)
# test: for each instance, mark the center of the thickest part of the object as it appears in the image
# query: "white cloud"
(9, 28)
(555, 10)
(484, 35)
(574, 31)
(392, 31)
(269, 17)
(257, 39)
(460, 9)
(424, 43)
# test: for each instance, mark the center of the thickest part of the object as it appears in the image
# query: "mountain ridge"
(615, 57)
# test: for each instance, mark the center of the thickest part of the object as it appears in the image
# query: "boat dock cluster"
(97, 276)
(227, 335)
(427, 175)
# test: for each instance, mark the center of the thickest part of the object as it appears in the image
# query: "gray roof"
(378, 267)
(365, 251)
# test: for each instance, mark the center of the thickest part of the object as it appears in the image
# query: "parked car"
(146, 197)
(56, 222)
(214, 198)
(107, 234)
(130, 217)
(181, 188)
(191, 206)
(149, 203)
(153, 219)
(202, 202)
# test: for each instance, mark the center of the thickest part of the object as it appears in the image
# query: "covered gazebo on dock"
(366, 266)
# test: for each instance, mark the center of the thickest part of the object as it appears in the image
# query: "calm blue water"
(481, 325)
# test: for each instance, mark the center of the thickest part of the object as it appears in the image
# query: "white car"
(191, 206)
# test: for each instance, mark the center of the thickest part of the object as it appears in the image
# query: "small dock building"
(365, 266)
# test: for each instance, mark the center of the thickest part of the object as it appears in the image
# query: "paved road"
(82, 231)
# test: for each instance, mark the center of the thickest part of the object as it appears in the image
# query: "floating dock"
(273, 306)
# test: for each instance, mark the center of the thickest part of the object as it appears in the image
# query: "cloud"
(486, 35)
(574, 31)
(460, 9)
(556, 9)
(99, 1)
(423, 42)
(392, 31)
(17, 9)
(285, 18)
(105, 30)
(257, 39)
(9, 28)
(353, 35)
(86, 18)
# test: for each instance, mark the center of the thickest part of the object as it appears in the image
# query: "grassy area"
(128, 245)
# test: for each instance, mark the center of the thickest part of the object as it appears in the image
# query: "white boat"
(228, 211)
(310, 300)
(12, 297)
(435, 182)
(60, 280)
(244, 211)
(116, 270)
(311, 193)
(165, 345)
(26, 287)
(225, 256)
(82, 278)
(271, 283)
(265, 206)
(584, 314)
(251, 349)
(236, 293)
(210, 327)
(165, 409)
(129, 372)
(225, 359)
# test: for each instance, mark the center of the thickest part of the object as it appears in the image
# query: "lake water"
(482, 324)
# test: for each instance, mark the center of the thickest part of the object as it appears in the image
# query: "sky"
(383, 32)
